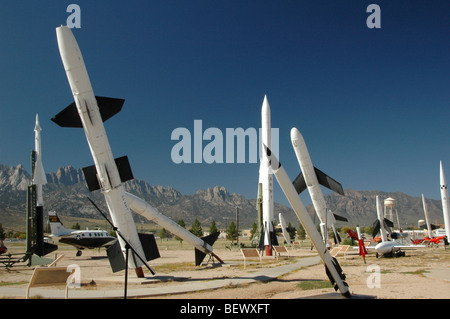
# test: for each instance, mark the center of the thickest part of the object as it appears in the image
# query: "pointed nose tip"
(37, 126)
(265, 106)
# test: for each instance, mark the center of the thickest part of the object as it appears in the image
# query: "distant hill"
(66, 193)
(360, 207)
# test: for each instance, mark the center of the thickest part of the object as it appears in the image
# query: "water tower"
(389, 205)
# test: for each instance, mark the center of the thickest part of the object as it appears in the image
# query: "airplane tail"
(323, 179)
(56, 226)
(210, 240)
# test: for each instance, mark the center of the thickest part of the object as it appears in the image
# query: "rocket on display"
(268, 237)
(445, 202)
(332, 267)
(89, 112)
(107, 174)
(35, 204)
(39, 179)
(310, 177)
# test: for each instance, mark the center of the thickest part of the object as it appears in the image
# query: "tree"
(253, 230)
(182, 224)
(196, 228)
(213, 228)
(291, 231)
(163, 233)
(2, 233)
(232, 232)
(76, 226)
(301, 233)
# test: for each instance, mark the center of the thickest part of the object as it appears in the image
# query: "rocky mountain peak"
(66, 175)
(15, 178)
(215, 194)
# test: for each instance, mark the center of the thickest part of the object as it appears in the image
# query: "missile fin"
(376, 228)
(342, 219)
(123, 165)
(210, 240)
(109, 106)
(328, 182)
(388, 223)
(340, 272)
(115, 256)
(69, 116)
(149, 245)
(299, 183)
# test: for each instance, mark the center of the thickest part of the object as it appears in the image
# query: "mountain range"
(66, 193)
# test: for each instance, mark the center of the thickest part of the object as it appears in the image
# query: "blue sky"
(372, 104)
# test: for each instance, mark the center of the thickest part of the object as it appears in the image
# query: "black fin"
(299, 183)
(323, 179)
(115, 257)
(123, 165)
(388, 223)
(342, 219)
(328, 182)
(376, 228)
(210, 240)
(148, 243)
(69, 117)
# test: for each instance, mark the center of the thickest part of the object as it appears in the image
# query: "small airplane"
(80, 239)
(387, 248)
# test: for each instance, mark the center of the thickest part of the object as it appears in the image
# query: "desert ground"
(409, 277)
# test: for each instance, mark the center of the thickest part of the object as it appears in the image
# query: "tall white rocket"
(38, 177)
(87, 109)
(445, 203)
(108, 174)
(266, 179)
(427, 219)
(311, 178)
(381, 219)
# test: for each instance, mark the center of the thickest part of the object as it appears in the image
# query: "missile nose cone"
(295, 134)
(37, 127)
(63, 32)
(441, 175)
(265, 107)
(296, 137)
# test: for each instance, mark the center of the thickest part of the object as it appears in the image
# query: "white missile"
(284, 229)
(310, 177)
(35, 209)
(381, 220)
(92, 111)
(427, 219)
(38, 177)
(332, 266)
(268, 238)
(445, 202)
(109, 174)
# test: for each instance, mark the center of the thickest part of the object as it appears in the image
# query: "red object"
(352, 234)
(3, 248)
